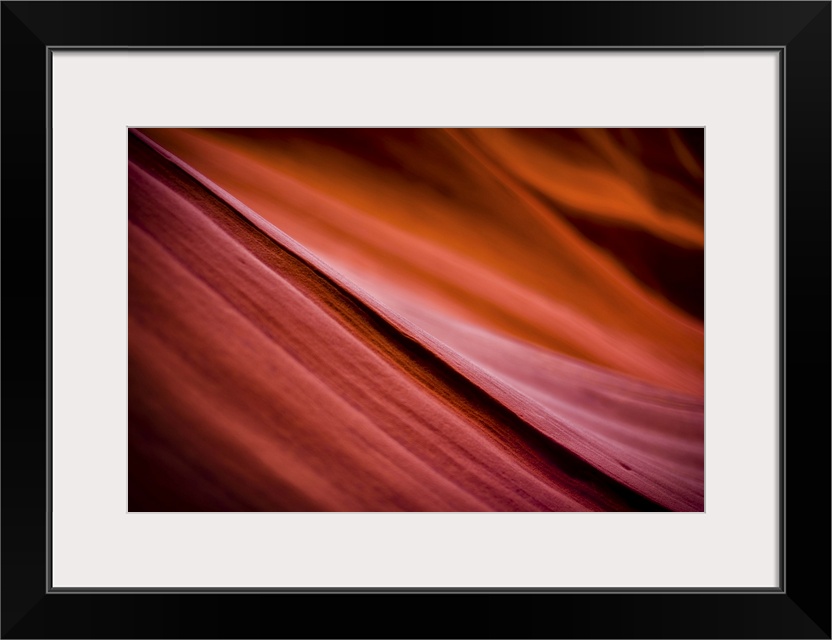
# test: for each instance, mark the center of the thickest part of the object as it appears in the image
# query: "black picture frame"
(799, 608)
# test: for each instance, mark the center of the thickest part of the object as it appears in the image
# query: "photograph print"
(415, 319)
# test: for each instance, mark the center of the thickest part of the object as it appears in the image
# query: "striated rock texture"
(416, 319)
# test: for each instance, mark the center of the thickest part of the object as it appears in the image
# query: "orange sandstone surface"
(416, 319)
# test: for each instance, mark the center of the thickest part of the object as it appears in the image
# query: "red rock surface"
(421, 320)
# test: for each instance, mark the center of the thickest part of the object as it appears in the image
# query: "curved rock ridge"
(266, 376)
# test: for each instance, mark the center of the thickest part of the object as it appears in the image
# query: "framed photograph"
(510, 307)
